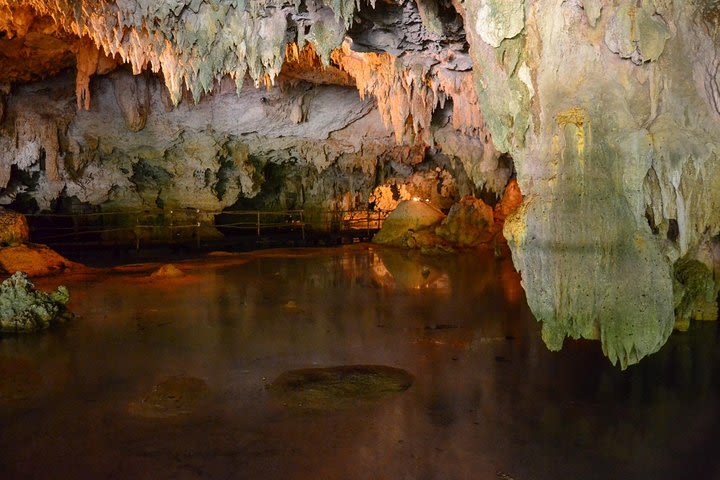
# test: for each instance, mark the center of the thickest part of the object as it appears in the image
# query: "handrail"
(194, 219)
(164, 212)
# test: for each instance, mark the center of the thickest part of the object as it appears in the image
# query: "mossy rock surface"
(339, 387)
(24, 309)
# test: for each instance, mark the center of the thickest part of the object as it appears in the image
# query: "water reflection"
(407, 270)
(487, 395)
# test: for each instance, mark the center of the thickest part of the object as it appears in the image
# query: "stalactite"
(194, 43)
(409, 93)
(87, 61)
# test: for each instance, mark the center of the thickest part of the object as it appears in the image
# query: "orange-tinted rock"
(469, 223)
(33, 47)
(167, 271)
(13, 228)
(35, 260)
(511, 200)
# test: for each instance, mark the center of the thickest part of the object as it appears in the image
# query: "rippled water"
(487, 401)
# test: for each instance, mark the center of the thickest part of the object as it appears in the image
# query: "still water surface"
(488, 400)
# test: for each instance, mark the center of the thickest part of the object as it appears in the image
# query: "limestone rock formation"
(696, 293)
(468, 224)
(609, 110)
(509, 202)
(132, 94)
(619, 180)
(409, 217)
(24, 309)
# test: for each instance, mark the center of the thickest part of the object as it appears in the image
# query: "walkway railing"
(170, 226)
(257, 220)
(349, 220)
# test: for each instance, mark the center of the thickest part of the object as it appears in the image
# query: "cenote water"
(347, 363)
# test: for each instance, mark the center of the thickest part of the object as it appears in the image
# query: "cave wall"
(304, 145)
(342, 123)
(609, 109)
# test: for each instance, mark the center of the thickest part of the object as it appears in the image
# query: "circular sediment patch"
(173, 397)
(339, 387)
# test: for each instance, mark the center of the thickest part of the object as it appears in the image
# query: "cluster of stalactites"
(195, 42)
(409, 92)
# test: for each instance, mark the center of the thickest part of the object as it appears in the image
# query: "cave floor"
(169, 378)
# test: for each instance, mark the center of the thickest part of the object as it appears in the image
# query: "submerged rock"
(175, 396)
(13, 228)
(34, 260)
(24, 309)
(339, 387)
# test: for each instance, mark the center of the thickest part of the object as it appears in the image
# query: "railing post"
(258, 223)
(302, 224)
(172, 233)
(197, 228)
(136, 232)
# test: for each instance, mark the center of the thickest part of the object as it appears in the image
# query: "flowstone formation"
(609, 111)
(24, 309)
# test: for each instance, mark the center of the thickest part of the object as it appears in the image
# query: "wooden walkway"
(194, 227)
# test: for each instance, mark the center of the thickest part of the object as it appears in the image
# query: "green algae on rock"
(339, 387)
(24, 309)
